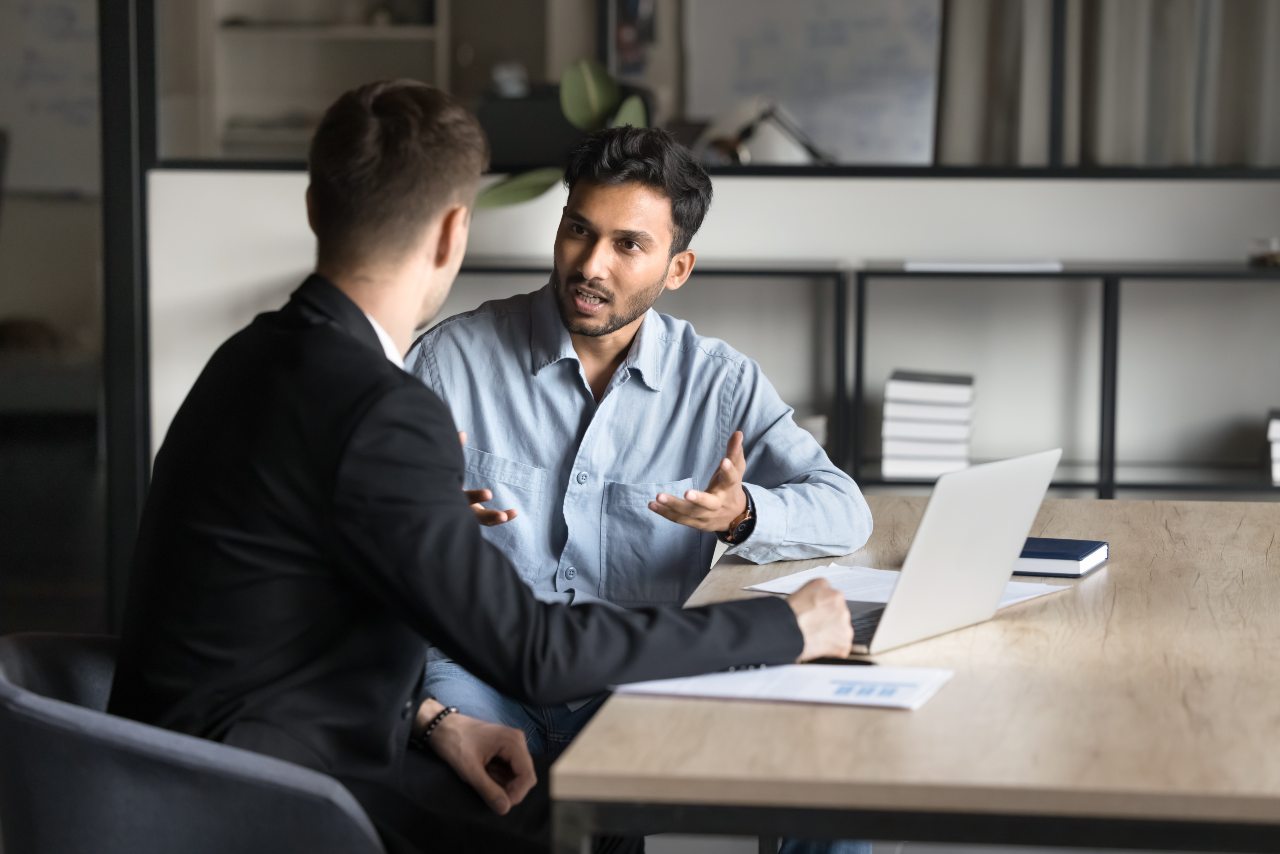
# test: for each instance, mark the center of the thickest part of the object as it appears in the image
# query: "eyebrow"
(637, 235)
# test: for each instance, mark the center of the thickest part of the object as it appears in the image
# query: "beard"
(614, 317)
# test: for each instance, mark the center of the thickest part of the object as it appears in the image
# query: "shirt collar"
(550, 342)
(388, 345)
(646, 351)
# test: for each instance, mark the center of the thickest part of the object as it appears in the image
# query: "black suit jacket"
(306, 531)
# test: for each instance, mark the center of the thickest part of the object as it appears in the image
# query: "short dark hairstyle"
(386, 159)
(652, 157)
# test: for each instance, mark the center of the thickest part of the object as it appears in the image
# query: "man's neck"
(601, 355)
(392, 296)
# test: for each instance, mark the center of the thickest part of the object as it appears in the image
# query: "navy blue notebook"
(1061, 558)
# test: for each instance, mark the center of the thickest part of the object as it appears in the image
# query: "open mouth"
(587, 302)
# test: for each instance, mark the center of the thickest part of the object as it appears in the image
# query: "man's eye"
(631, 246)
(576, 229)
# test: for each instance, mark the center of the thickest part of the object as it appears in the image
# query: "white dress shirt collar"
(388, 345)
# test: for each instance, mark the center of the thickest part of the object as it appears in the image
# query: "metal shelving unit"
(1109, 476)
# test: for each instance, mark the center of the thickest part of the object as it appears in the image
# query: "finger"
(477, 778)
(707, 501)
(524, 777)
(488, 517)
(736, 454)
(681, 507)
(722, 476)
(462, 437)
(728, 476)
(477, 496)
(665, 512)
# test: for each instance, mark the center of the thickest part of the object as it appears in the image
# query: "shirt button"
(571, 573)
(407, 710)
(582, 477)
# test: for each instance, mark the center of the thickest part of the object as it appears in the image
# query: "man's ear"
(454, 226)
(311, 217)
(679, 269)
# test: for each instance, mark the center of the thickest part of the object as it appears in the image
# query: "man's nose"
(594, 264)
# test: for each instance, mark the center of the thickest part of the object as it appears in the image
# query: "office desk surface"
(1150, 692)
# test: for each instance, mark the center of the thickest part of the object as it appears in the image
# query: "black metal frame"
(575, 823)
(1117, 173)
(127, 80)
(1109, 276)
(1057, 82)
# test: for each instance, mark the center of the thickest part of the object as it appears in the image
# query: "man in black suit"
(306, 526)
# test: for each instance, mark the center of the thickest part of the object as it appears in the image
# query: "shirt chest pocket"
(515, 485)
(646, 559)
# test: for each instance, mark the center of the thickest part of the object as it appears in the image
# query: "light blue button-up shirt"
(581, 474)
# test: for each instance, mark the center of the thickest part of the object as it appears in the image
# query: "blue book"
(1060, 558)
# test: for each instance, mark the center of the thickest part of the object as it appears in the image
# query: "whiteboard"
(49, 95)
(860, 77)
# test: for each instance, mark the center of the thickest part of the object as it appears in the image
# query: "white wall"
(1198, 360)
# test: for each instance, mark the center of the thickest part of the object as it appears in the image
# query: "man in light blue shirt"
(618, 442)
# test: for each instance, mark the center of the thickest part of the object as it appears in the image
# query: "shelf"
(335, 32)
(1196, 478)
(1156, 478)
(1086, 270)
(1067, 476)
(705, 266)
(1107, 477)
(245, 135)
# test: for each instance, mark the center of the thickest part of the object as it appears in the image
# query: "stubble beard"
(615, 318)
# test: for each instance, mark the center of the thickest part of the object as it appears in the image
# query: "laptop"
(962, 555)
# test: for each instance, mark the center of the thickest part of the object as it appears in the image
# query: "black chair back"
(77, 779)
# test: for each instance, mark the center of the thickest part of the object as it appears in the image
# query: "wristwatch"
(741, 527)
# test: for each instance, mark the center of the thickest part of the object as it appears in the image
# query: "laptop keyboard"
(864, 624)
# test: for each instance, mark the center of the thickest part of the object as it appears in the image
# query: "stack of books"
(927, 420)
(1273, 436)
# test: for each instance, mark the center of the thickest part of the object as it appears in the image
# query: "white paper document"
(840, 684)
(864, 584)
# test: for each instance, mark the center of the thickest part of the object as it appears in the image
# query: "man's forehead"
(629, 205)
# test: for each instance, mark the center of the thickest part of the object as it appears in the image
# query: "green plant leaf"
(519, 188)
(631, 112)
(588, 95)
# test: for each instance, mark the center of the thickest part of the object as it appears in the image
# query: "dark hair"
(386, 159)
(652, 157)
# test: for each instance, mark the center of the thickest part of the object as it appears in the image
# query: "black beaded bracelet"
(419, 739)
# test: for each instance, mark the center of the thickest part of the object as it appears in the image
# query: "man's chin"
(589, 330)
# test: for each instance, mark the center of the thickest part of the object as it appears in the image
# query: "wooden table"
(1140, 709)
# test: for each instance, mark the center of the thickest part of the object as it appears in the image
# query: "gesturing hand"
(491, 758)
(476, 497)
(713, 508)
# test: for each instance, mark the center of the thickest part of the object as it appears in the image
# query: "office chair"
(74, 778)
